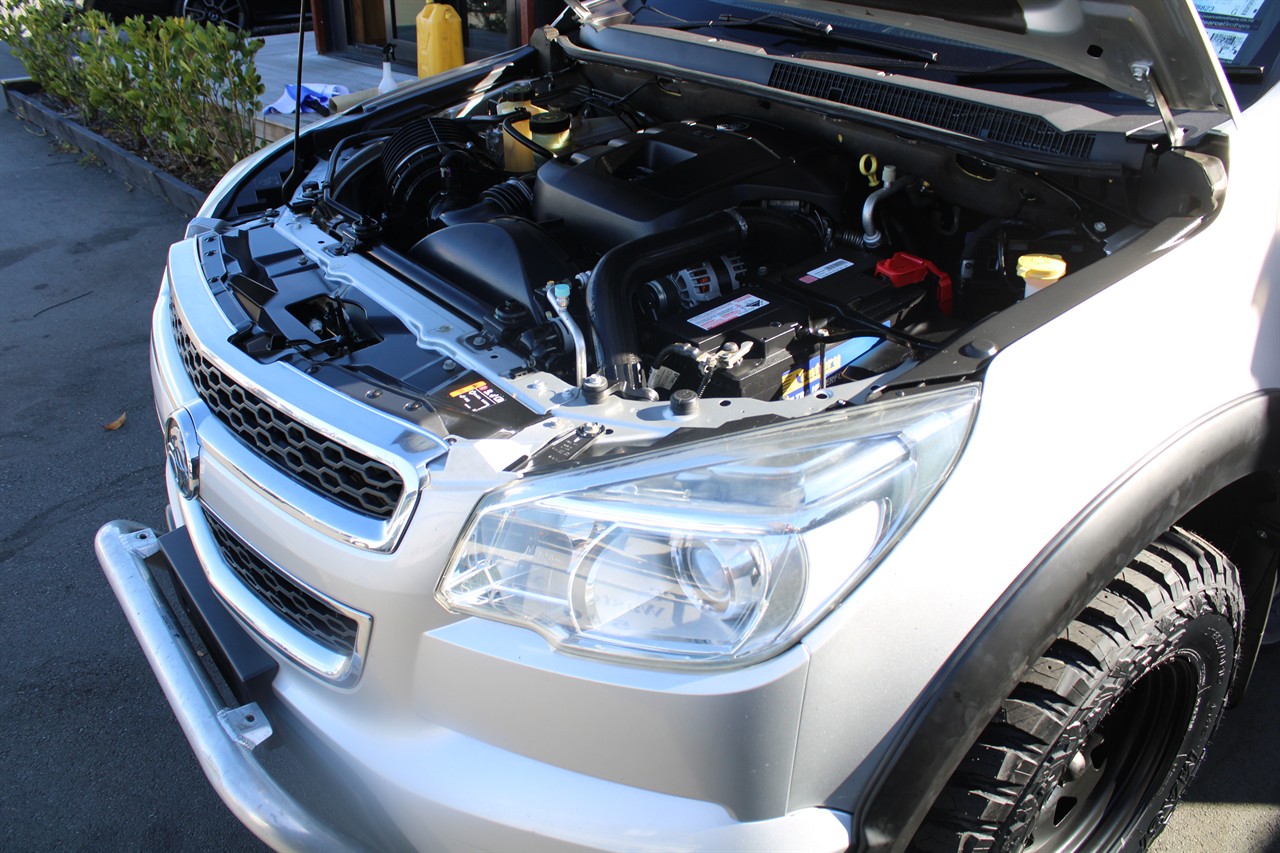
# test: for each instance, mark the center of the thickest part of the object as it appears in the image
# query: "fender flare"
(1237, 439)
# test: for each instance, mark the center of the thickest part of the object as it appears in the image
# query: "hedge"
(179, 92)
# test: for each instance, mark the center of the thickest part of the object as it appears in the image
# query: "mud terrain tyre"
(1094, 747)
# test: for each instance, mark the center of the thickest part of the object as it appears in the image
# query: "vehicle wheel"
(1095, 746)
(232, 13)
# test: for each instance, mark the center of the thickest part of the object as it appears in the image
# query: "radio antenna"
(297, 92)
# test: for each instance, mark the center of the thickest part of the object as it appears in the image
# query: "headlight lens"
(714, 553)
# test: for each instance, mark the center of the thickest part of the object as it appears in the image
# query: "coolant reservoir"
(439, 39)
(517, 157)
(1040, 271)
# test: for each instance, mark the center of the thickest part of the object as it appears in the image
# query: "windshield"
(1245, 35)
(1239, 29)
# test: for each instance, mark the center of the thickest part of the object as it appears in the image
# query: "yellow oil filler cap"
(439, 39)
(1040, 271)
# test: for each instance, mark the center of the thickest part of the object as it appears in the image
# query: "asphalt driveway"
(91, 757)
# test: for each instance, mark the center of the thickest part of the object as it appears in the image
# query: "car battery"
(764, 319)
(844, 281)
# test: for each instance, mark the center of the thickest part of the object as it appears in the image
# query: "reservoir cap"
(1041, 270)
(549, 122)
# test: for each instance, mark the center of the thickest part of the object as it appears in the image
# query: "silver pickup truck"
(735, 425)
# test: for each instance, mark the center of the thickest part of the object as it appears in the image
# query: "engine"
(727, 256)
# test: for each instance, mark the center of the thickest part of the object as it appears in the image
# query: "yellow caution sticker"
(477, 396)
(466, 389)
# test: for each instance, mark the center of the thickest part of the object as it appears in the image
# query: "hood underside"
(1124, 46)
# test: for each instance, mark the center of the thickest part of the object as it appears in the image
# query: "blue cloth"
(315, 98)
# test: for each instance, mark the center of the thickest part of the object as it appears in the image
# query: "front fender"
(1236, 440)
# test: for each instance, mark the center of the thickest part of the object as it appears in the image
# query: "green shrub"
(109, 62)
(187, 92)
(43, 36)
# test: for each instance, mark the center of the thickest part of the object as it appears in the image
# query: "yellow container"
(439, 39)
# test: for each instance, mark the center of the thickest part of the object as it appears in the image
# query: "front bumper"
(224, 749)
(477, 804)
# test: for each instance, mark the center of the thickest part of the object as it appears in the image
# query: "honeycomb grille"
(304, 611)
(318, 462)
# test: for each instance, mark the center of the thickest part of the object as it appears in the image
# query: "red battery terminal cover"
(903, 269)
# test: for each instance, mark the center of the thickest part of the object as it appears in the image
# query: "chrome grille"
(300, 608)
(318, 462)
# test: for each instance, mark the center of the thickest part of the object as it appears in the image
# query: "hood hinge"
(1143, 74)
(600, 13)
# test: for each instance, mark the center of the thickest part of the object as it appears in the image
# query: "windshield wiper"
(1245, 73)
(1021, 72)
(1026, 74)
(784, 25)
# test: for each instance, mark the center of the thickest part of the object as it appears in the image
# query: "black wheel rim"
(228, 12)
(1124, 767)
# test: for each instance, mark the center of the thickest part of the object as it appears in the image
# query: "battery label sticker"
(477, 396)
(825, 270)
(732, 310)
(806, 380)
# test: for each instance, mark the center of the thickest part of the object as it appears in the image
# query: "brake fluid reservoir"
(517, 157)
(1040, 271)
(551, 131)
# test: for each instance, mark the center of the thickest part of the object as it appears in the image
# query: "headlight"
(717, 552)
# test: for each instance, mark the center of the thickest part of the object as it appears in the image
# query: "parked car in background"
(242, 14)
(734, 425)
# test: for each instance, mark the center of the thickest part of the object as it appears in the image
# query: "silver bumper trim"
(244, 785)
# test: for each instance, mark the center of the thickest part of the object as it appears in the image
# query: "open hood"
(1154, 49)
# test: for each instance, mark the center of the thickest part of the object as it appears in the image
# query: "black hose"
(509, 128)
(612, 286)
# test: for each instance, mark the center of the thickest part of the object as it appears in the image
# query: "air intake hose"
(611, 289)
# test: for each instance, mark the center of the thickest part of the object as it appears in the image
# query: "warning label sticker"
(477, 396)
(732, 310)
(664, 378)
(825, 270)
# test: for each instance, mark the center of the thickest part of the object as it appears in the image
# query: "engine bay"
(646, 239)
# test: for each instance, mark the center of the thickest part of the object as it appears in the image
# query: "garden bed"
(24, 100)
(167, 103)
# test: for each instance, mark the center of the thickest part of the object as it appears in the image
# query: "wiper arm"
(795, 26)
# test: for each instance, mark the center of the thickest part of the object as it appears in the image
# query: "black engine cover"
(664, 176)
